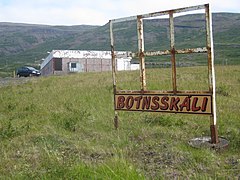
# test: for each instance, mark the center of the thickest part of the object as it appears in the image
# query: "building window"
(73, 65)
(58, 64)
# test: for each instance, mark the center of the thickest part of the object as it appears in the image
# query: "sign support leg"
(214, 132)
(116, 120)
(211, 74)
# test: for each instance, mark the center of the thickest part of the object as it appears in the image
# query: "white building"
(66, 61)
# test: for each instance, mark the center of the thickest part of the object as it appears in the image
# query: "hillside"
(27, 43)
(23, 43)
(16, 37)
(61, 127)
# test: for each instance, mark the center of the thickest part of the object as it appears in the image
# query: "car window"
(33, 69)
(22, 69)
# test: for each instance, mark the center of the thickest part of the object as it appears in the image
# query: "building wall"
(61, 62)
(97, 65)
(86, 65)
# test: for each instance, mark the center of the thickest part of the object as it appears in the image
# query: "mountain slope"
(16, 38)
(25, 43)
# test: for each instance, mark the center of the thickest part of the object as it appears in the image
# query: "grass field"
(61, 127)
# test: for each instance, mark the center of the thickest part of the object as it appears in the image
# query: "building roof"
(83, 54)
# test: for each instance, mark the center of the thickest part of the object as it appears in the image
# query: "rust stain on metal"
(172, 50)
(211, 72)
(168, 52)
(160, 13)
(132, 100)
(141, 54)
(161, 92)
(214, 134)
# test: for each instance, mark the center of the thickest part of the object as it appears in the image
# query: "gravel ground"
(11, 81)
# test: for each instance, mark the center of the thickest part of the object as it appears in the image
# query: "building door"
(57, 64)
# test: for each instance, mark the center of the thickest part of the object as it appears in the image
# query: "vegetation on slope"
(22, 44)
(62, 127)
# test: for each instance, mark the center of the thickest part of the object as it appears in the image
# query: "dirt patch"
(160, 161)
(13, 81)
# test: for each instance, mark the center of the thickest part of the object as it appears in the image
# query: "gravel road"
(11, 81)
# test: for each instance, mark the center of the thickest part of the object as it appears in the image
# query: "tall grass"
(61, 127)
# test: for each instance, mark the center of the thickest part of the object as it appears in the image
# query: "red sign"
(192, 104)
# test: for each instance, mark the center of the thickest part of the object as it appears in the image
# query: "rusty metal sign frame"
(141, 54)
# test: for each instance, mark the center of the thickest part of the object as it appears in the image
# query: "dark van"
(27, 71)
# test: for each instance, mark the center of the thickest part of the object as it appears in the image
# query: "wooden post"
(113, 73)
(211, 75)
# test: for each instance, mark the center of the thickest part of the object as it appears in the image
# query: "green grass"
(61, 127)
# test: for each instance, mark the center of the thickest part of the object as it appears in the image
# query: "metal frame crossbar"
(141, 54)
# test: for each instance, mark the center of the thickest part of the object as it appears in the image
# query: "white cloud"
(66, 12)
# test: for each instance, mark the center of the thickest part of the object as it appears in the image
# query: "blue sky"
(95, 12)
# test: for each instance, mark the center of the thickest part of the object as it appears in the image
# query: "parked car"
(27, 71)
